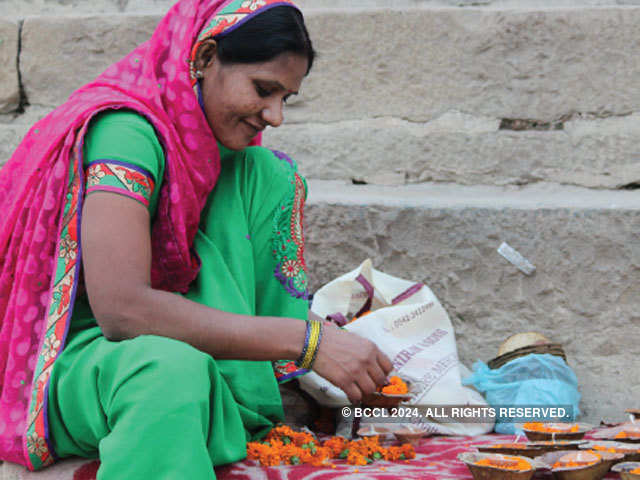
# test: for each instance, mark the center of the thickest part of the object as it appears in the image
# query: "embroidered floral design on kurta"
(288, 237)
(65, 277)
(36, 445)
(68, 249)
(253, 5)
(285, 370)
(51, 346)
(95, 174)
(120, 177)
(137, 182)
(288, 251)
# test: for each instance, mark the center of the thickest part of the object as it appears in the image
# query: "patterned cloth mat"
(436, 459)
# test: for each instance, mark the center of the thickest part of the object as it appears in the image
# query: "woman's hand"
(352, 363)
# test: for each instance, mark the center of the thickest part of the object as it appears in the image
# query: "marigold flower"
(396, 386)
(336, 445)
(355, 458)
(284, 445)
(559, 428)
(505, 463)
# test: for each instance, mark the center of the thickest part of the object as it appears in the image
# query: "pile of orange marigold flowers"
(284, 446)
(396, 386)
(541, 427)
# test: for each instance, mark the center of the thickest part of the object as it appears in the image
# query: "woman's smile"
(253, 127)
(241, 100)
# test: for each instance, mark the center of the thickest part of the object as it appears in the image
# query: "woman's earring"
(199, 74)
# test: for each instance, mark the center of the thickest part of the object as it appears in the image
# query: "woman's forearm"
(222, 334)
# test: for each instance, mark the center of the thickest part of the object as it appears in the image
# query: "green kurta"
(153, 407)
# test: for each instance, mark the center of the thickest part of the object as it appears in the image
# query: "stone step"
(454, 148)
(470, 95)
(584, 244)
(542, 64)
(9, 88)
(21, 8)
(598, 153)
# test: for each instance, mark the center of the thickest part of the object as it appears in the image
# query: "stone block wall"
(432, 131)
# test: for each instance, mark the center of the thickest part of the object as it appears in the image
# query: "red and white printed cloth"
(436, 459)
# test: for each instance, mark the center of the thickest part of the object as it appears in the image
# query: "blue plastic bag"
(532, 380)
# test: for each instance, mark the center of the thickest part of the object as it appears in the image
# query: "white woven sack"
(411, 327)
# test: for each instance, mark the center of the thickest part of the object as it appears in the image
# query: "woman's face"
(240, 100)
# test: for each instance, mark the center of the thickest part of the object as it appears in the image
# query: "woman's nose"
(272, 113)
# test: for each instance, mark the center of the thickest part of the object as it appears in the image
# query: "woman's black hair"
(277, 30)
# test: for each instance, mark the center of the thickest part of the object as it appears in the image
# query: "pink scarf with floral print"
(41, 195)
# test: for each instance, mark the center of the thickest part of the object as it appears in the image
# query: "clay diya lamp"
(628, 470)
(383, 399)
(491, 466)
(546, 446)
(536, 431)
(609, 459)
(518, 449)
(627, 433)
(630, 451)
(572, 465)
(409, 434)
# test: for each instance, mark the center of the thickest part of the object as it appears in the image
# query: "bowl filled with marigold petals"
(630, 434)
(546, 446)
(521, 449)
(627, 432)
(493, 466)
(286, 446)
(628, 470)
(630, 451)
(536, 431)
(583, 465)
(397, 391)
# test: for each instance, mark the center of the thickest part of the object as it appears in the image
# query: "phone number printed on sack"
(380, 412)
(398, 322)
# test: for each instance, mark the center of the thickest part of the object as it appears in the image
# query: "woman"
(144, 185)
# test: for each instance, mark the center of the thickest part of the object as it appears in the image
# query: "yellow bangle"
(310, 350)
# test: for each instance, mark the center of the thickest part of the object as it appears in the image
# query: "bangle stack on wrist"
(311, 344)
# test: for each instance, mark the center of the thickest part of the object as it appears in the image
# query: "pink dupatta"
(41, 195)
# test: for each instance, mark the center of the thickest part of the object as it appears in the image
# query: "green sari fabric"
(178, 410)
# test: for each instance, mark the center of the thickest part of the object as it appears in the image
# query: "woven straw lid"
(521, 340)
(522, 344)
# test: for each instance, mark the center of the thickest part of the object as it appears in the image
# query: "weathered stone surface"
(499, 63)
(466, 150)
(10, 136)
(584, 293)
(9, 86)
(419, 63)
(63, 470)
(60, 54)
(61, 7)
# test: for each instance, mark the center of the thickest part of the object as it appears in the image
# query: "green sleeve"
(122, 154)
